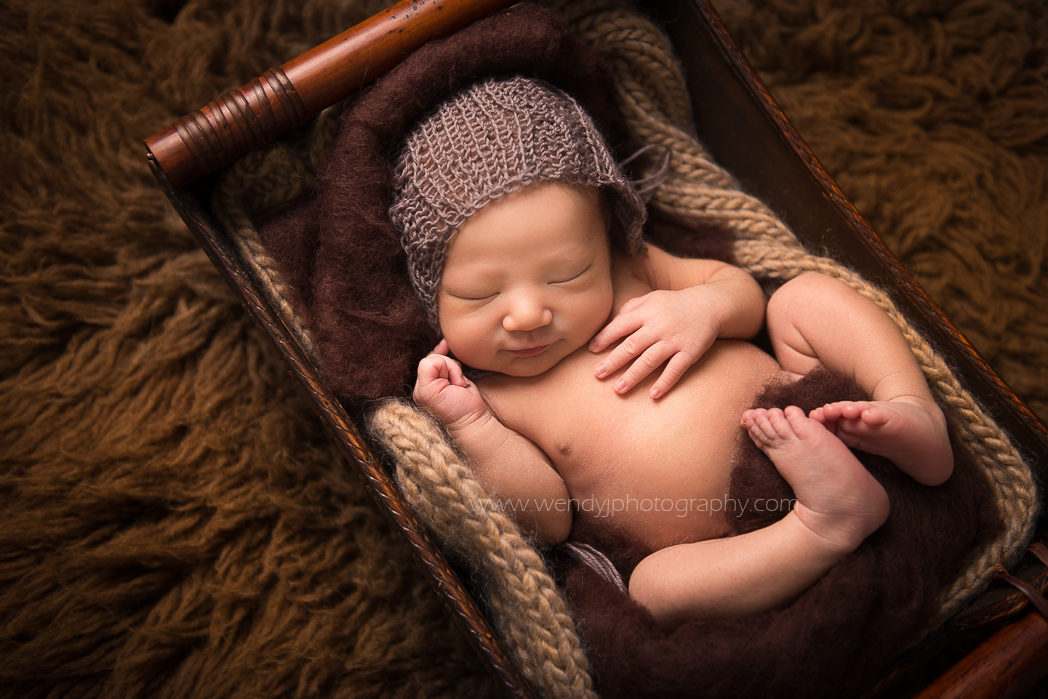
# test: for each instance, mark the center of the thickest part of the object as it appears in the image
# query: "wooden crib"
(749, 136)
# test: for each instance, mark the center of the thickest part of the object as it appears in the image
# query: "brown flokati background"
(173, 520)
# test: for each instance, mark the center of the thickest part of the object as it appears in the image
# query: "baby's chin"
(523, 369)
(514, 367)
(518, 372)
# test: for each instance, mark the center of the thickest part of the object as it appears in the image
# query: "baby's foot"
(906, 432)
(837, 498)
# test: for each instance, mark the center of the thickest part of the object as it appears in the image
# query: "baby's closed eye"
(472, 295)
(572, 274)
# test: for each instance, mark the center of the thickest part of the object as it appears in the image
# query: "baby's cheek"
(470, 348)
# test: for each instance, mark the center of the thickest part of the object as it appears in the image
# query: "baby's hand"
(671, 327)
(443, 390)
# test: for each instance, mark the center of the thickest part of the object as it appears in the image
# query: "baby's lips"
(529, 351)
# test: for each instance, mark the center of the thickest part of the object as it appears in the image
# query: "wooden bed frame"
(744, 130)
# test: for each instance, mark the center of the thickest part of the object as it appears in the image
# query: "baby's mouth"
(529, 351)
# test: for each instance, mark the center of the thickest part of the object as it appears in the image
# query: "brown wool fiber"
(174, 522)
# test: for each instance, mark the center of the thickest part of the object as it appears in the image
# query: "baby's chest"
(599, 439)
(657, 473)
(593, 435)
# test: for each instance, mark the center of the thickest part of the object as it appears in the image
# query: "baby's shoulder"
(654, 268)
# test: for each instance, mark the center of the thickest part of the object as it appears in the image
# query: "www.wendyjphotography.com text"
(609, 507)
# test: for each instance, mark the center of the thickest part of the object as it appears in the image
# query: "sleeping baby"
(587, 374)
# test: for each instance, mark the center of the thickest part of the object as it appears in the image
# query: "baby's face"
(527, 280)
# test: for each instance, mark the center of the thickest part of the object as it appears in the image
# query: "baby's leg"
(816, 321)
(839, 505)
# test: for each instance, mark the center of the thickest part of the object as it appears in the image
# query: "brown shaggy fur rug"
(173, 520)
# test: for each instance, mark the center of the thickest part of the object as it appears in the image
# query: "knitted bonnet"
(489, 140)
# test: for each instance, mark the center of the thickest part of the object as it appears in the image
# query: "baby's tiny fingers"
(619, 327)
(650, 360)
(674, 371)
(619, 357)
(429, 368)
(455, 375)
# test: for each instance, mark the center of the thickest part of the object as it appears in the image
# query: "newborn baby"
(612, 377)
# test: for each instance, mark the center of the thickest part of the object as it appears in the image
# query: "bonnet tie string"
(649, 182)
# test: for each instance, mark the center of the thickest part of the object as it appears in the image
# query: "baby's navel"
(564, 448)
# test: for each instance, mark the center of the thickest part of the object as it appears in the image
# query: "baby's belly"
(657, 471)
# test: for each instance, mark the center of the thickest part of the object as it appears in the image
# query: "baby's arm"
(694, 302)
(510, 467)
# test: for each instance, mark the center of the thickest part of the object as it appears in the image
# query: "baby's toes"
(798, 425)
(782, 422)
(826, 413)
(747, 418)
(761, 427)
(853, 411)
(874, 415)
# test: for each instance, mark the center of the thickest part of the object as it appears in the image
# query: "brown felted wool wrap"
(338, 248)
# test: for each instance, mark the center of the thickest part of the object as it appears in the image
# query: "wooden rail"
(1008, 664)
(243, 119)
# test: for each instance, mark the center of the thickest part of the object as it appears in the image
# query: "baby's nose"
(527, 312)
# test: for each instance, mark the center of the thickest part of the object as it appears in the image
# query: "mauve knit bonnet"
(489, 140)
